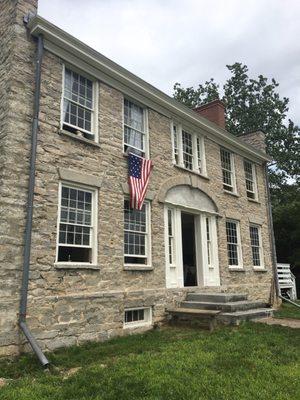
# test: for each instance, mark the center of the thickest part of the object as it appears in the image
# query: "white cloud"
(190, 41)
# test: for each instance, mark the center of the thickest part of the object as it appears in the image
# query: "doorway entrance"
(189, 258)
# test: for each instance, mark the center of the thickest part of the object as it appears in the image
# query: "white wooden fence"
(287, 281)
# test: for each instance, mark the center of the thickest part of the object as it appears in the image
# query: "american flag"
(138, 177)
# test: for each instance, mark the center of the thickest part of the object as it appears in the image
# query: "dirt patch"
(289, 322)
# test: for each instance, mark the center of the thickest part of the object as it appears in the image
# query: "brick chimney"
(214, 111)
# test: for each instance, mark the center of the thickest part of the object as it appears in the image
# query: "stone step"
(234, 318)
(216, 297)
(225, 307)
(204, 319)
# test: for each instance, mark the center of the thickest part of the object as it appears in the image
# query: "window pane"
(255, 245)
(134, 129)
(77, 220)
(232, 243)
(135, 231)
(187, 150)
(78, 100)
(226, 169)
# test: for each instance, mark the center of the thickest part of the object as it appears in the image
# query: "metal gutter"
(272, 236)
(29, 209)
(61, 43)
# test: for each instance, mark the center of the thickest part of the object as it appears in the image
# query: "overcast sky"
(190, 41)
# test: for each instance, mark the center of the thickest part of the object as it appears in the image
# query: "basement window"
(79, 105)
(137, 317)
(76, 225)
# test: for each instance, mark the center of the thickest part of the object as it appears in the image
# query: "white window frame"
(231, 171)
(254, 180)
(171, 238)
(196, 168)
(146, 128)
(147, 321)
(94, 221)
(147, 239)
(260, 247)
(209, 241)
(94, 110)
(238, 244)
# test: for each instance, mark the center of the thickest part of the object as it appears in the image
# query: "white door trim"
(206, 275)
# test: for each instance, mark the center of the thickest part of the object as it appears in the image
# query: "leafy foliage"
(251, 105)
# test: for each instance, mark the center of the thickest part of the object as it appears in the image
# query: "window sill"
(253, 200)
(137, 325)
(59, 265)
(234, 194)
(192, 172)
(79, 138)
(258, 269)
(130, 267)
(236, 269)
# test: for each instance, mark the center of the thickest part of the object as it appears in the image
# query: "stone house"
(98, 268)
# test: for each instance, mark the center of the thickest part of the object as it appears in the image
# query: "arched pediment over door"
(185, 193)
(189, 197)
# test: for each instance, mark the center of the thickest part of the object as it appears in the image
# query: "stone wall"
(68, 306)
(16, 97)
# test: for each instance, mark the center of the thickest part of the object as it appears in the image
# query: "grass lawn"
(254, 361)
(288, 311)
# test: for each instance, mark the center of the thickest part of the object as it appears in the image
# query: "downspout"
(271, 229)
(29, 209)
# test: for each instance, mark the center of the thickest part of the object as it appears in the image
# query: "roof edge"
(63, 40)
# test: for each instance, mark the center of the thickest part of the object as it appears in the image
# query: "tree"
(254, 104)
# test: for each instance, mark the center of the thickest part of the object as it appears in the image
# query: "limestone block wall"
(17, 51)
(68, 306)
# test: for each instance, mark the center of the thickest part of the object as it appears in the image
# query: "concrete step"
(225, 307)
(216, 297)
(234, 318)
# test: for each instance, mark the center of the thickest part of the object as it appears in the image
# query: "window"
(135, 128)
(188, 150)
(233, 244)
(175, 145)
(136, 234)
(76, 225)
(256, 245)
(250, 178)
(171, 238)
(228, 170)
(79, 104)
(208, 241)
(138, 317)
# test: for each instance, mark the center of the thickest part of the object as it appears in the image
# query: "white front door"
(205, 259)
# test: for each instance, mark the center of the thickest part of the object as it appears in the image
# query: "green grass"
(254, 361)
(288, 311)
